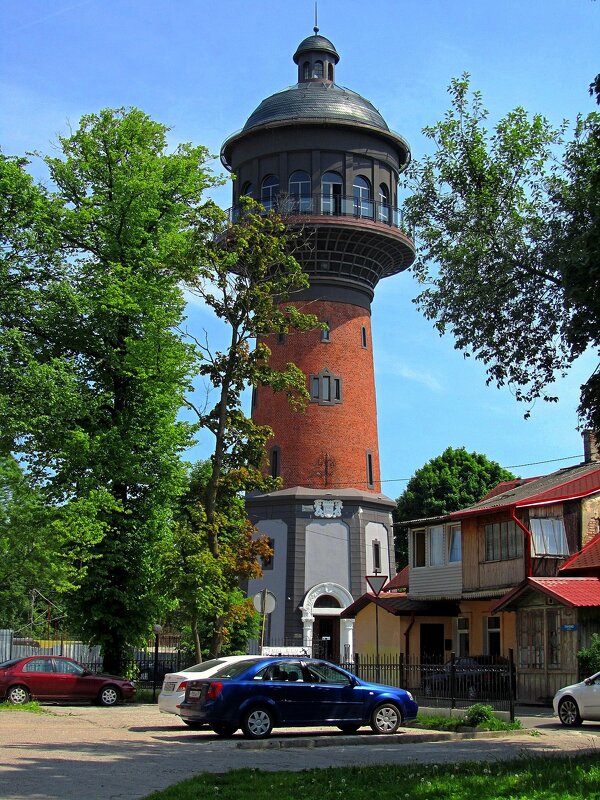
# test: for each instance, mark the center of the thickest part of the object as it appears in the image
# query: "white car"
(174, 683)
(573, 704)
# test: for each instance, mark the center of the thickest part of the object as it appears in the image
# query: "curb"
(373, 739)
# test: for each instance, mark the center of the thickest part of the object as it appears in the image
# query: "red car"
(59, 678)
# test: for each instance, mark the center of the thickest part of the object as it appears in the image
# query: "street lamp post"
(157, 629)
(376, 583)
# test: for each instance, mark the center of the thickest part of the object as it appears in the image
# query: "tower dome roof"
(316, 43)
(316, 101)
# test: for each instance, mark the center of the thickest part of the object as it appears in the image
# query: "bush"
(477, 714)
(589, 658)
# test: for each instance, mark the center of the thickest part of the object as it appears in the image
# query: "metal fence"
(457, 683)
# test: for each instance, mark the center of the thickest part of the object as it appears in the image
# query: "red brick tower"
(324, 156)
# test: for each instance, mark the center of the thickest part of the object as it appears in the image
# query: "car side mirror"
(589, 681)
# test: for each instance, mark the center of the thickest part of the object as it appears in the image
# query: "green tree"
(93, 371)
(247, 278)
(456, 479)
(204, 588)
(507, 222)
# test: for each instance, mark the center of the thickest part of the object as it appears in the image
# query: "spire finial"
(316, 28)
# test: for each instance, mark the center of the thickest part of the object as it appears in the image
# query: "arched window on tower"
(299, 187)
(331, 199)
(318, 69)
(306, 71)
(361, 192)
(330, 71)
(384, 203)
(247, 189)
(269, 191)
(275, 462)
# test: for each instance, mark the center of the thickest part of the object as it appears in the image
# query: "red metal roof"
(587, 559)
(399, 581)
(565, 484)
(573, 592)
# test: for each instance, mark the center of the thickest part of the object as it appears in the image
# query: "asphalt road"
(125, 753)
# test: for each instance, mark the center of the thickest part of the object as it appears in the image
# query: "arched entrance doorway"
(325, 635)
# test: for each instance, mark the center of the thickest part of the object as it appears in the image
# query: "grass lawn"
(555, 778)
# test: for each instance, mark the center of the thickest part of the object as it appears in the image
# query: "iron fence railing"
(330, 205)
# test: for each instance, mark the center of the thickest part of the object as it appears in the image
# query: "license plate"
(195, 693)
(168, 687)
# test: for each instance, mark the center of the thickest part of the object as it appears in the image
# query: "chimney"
(590, 447)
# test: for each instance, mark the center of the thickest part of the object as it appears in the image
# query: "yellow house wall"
(390, 632)
(476, 611)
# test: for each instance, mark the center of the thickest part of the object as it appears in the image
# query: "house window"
(269, 191)
(370, 481)
(326, 333)
(454, 544)
(330, 71)
(549, 537)
(325, 388)
(436, 546)
(254, 397)
(492, 636)
(462, 636)
(363, 336)
(306, 70)
(267, 561)
(318, 69)
(419, 550)
(274, 467)
(503, 541)
(376, 557)
(247, 189)
(280, 337)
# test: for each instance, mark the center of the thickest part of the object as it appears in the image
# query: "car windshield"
(236, 668)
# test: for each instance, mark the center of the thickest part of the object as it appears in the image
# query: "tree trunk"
(196, 638)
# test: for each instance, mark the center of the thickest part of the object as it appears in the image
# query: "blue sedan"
(264, 693)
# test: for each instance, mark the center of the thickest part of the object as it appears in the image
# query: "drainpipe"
(527, 533)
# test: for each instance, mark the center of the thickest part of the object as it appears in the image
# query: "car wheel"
(386, 718)
(348, 728)
(568, 712)
(223, 729)
(109, 696)
(257, 723)
(193, 724)
(17, 695)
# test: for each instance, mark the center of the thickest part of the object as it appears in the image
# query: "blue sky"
(202, 67)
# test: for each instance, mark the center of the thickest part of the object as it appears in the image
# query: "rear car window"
(211, 664)
(236, 668)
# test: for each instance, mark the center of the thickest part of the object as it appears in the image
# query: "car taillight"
(182, 686)
(214, 690)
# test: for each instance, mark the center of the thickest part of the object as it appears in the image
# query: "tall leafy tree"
(507, 222)
(456, 479)
(248, 279)
(205, 588)
(94, 371)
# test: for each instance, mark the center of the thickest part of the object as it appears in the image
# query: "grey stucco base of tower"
(324, 544)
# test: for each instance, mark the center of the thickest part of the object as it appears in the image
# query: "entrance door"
(326, 638)
(432, 642)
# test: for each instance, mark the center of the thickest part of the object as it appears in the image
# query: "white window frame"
(548, 536)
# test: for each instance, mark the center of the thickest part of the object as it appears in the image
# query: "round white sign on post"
(264, 602)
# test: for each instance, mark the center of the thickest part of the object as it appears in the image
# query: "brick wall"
(325, 446)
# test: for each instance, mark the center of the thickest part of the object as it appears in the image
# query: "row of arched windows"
(299, 187)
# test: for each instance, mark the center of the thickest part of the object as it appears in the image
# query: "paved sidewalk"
(93, 753)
